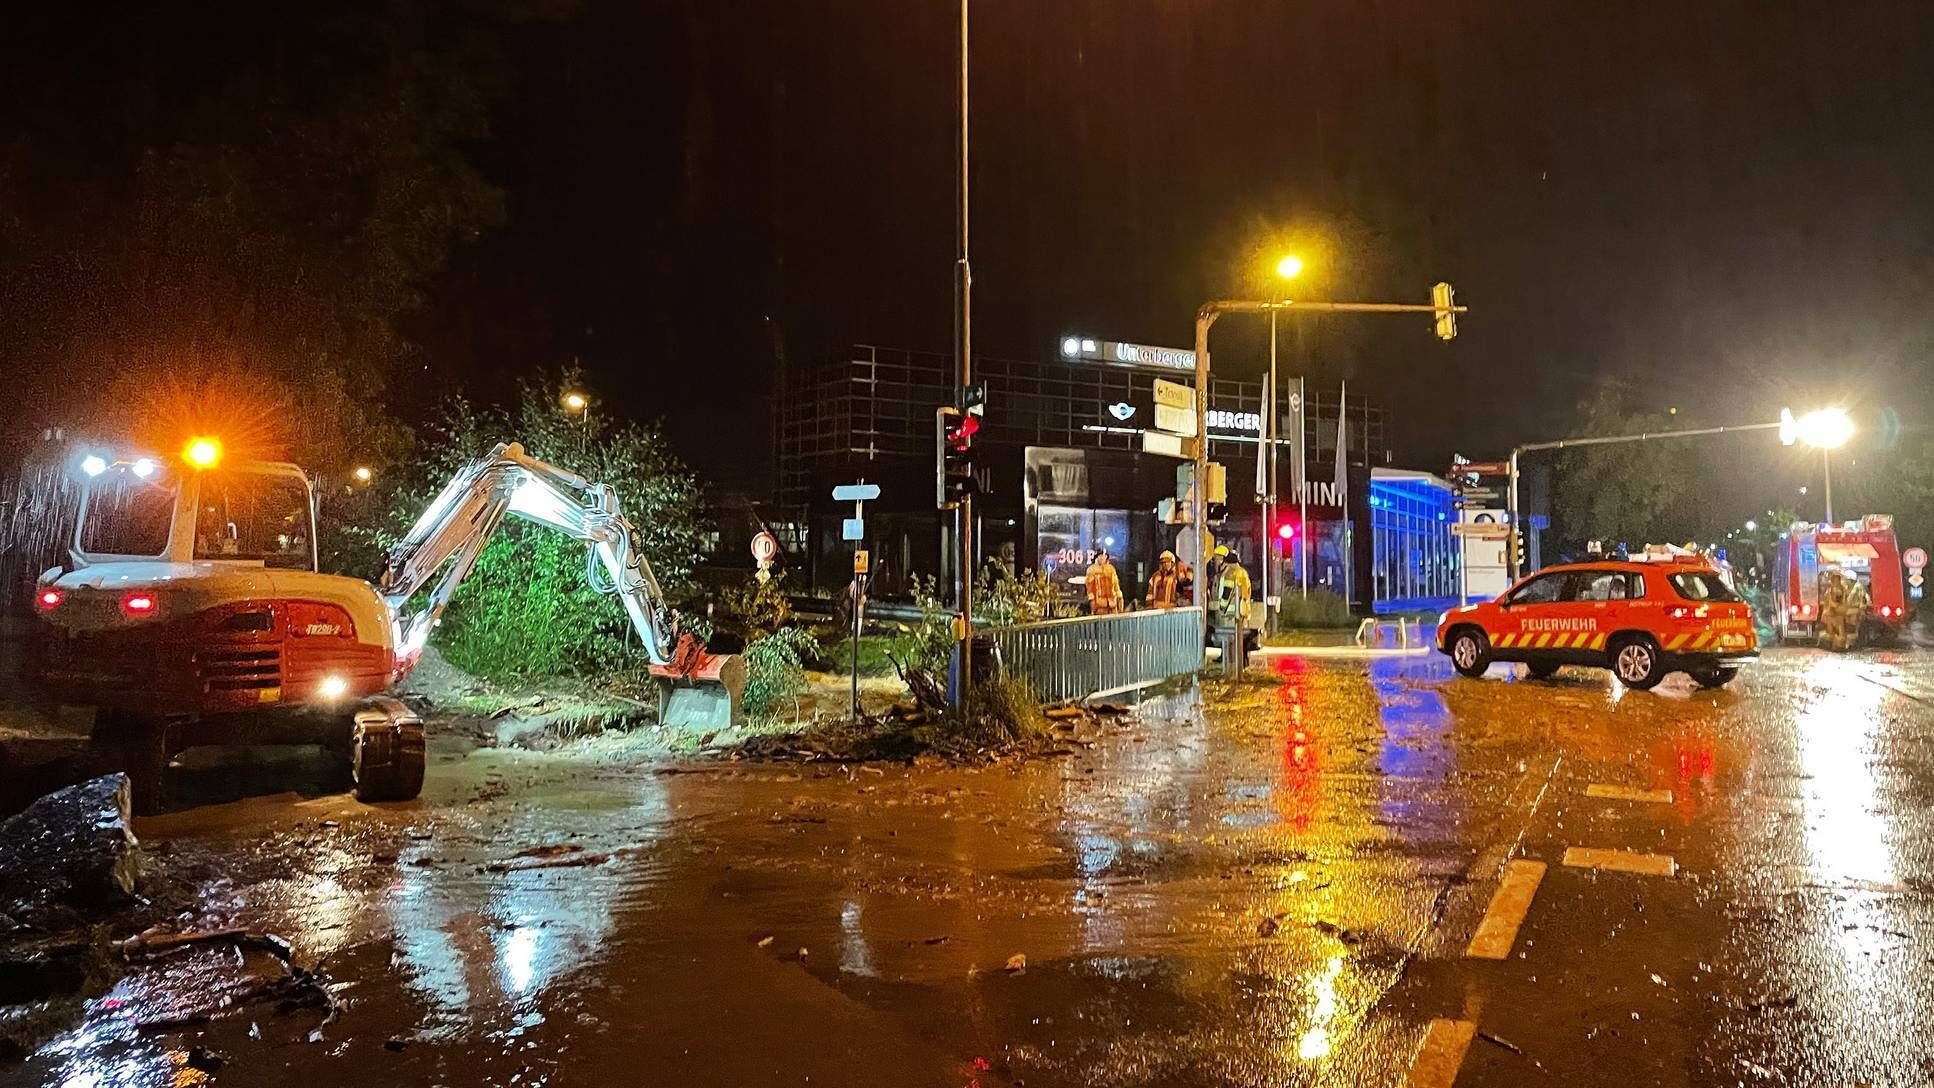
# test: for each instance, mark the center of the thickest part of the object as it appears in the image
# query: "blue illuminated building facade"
(1414, 555)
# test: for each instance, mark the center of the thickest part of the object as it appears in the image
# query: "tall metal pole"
(1826, 469)
(1302, 484)
(1199, 491)
(1270, 426)
(964, 370)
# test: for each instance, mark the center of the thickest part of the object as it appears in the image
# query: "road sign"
(1916, 578)
(1168, 445)
(765, 547)
(1481, 468)
(1175, 420)
(859, 561)
(856, 492)
(1174, 395)
(1468, 493)
(1481, 530)
(852, 529)
(1914, 557)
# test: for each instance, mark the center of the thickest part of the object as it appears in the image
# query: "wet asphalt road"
(1282, 892)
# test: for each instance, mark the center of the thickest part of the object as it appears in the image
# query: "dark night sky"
(1727, 205)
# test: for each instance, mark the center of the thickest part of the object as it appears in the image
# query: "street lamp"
(362, 474)
(575, 402)
(1288, 267)
(1826, 430)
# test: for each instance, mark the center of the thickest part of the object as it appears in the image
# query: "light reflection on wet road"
(1279, 894)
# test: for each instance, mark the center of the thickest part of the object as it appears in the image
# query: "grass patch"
(1321, 610)
(838, 656)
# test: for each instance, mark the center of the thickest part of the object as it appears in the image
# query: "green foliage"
(1320, 609)
(1618, 492)
(527, 607)
(1004, 599)
(775, 671)
(1000, 711)
(753, 610)
(928, 641)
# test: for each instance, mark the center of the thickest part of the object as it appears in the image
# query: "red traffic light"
(1285, 531)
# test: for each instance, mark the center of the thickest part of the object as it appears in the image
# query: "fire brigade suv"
(1640, 618)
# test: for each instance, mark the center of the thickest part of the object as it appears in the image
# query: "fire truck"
(1864, 550)
(190, 609)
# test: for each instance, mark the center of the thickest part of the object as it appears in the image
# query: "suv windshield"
(127, 515)
(254, 516)
(1702, 586)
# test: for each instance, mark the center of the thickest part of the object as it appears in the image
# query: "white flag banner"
(1342, 443)
(1299, 432)
(1264, 447)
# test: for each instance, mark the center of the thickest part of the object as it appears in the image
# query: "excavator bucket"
(704, 691)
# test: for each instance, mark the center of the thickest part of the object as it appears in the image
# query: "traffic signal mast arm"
(453, 530)
(1511, 495)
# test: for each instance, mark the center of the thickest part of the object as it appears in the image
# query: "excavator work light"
(202, 452)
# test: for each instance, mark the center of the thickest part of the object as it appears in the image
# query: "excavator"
(191, 610)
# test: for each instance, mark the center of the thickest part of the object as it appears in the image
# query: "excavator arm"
(442, 547)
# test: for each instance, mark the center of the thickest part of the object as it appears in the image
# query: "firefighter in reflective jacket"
(1164, 583)
(1104, 587)
(1232, 592)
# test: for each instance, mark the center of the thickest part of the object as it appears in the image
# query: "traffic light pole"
(1511, 493)
(964, 371)
(1206, 317)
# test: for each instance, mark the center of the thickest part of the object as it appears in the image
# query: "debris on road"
(1016, 963)
(559, 856)
(74, 848)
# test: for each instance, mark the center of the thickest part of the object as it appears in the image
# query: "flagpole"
(1302, 485)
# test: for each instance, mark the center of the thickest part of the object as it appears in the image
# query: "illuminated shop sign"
(1088, 350)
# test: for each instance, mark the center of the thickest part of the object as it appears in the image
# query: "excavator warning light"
(202, 452)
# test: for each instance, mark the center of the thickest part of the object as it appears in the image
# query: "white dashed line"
(1499, 930)
(1626, 793)
(1623, 861)
(1441, 1054)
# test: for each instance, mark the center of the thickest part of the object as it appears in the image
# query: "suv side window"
(1611, 585)
(1545, 589)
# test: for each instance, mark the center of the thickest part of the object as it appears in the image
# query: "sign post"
(854, 529)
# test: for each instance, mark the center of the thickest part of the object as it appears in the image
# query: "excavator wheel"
(386, 756)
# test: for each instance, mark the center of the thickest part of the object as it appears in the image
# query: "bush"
(775, 671)
(1320, 609)
(754, 610)
(1003, 599)
(1000, 711)
(527, 607)
(927, 642)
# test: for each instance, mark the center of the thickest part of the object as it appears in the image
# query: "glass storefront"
(1413, 553)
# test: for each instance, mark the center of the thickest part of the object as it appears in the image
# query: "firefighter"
(1838, 621)
(1104, 587)
(1164, 585)
(1184, 582)
(1232, 605)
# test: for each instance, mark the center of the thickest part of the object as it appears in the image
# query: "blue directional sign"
(856, 492)
(852, 529)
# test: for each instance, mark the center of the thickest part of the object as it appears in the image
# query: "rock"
(73, 847)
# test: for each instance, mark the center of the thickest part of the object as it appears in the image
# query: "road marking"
(1623, 861)
(1499, 930)
(1441, 1054)
(1627, 793)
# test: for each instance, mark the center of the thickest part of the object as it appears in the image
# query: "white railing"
(1089, 656)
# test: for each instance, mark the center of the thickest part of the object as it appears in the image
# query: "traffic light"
(1440, 300)
(1285, 536)
(953, 440)
(1517, 551)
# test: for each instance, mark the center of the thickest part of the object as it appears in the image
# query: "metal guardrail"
(1088, 656)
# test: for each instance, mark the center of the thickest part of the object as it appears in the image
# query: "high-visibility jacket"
(1104, 589)
(1162, 586)
(1232, 590)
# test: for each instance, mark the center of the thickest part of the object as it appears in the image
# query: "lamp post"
(1288, 268)
(1826, 430)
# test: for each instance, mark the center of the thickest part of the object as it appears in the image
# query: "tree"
(232, 197)
(1617, 492)
(527, 607)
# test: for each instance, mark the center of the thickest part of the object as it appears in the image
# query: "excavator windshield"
(126, 515)
(255, 516)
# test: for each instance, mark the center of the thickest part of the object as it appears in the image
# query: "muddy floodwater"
(1282, 888)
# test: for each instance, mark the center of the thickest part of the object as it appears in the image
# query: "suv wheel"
(1543, 670)
(1715, 676)
(1636, 663)
(1470, 651)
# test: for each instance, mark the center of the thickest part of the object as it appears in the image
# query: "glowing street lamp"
(575, 402)
(362, 474)
(1290, 267)
(1826, 430)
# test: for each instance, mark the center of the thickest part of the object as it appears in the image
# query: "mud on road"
(1281, 890)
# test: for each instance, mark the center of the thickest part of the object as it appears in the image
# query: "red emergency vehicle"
(1641, 618)
(1864, 550)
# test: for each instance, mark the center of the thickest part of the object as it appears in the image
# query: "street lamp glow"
(1751, 525)
(1290, 267)
(362, 474)
(1826, 429)
(144, 467)
(575, 401)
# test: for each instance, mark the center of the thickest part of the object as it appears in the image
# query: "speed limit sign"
(1914, 557)
(765, 547)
